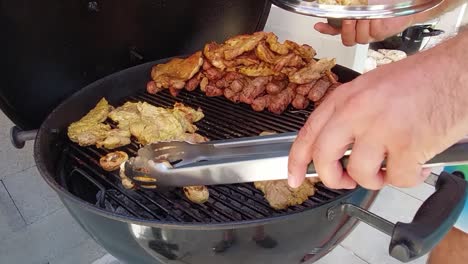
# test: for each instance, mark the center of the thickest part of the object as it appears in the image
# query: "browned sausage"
(174, 91)
(231, 95)
(329, 90)
(152, 88)
(211, 90)
(213, 74)
(304, 89)
(260, 103)
(300, 102)
(319, 89)
(193, 83)
(275, 87)
(238, 85)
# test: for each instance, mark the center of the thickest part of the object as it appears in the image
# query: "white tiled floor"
(40, 230)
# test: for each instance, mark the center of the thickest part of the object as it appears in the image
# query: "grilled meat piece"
(89, 129)
(304, 51)
(291, 60)
(260, 103)
(211, 90)
(278, 103)
(193, 83)
(275, 87)
(213, 74)
(278, 193)
(176, 71)
(329, 91)
(238, 85)
(246, 59)
(152, 88)
(300, 102)
(196, 194)
(174, 91)
(262, 69)
(275, 46)
(265, 54)
(240, 44)
(111, 161)
(204, 82)
(280, 196)
(231, 95)
(254, 88)
(319, 89)
(150, 124)
(115, 138)
(304, 89)
(312, 71)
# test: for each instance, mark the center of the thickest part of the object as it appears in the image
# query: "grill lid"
(53, 48)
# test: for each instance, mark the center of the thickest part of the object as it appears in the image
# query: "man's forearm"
(445, 6)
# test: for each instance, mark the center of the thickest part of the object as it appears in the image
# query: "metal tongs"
(260, 158)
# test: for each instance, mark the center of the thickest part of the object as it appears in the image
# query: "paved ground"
(36, 228)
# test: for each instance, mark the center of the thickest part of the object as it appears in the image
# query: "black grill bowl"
(153, 227)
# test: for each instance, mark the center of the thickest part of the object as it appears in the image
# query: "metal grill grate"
(82, 175)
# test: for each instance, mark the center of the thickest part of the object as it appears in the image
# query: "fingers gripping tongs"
(178, 164)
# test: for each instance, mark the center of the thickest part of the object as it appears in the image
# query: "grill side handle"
(19, 137)
(431, 223)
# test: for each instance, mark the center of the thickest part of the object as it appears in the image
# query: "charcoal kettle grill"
(109, 47)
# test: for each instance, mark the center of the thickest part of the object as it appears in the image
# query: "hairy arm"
(406, 112)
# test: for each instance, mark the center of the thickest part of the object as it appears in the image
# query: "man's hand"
(405, 112)
(366, 31)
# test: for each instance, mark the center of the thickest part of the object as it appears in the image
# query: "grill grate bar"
(104, 178)
(244, 117)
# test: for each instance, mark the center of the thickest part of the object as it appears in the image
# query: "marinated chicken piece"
(204, 82)
(300, 102)
(111, 161)
(246, 59)
(115, 138)
(261, 69)
(150, 124)
(275, 46)
(319, 89)
(194, 138)
(89, 129)
(265, 54)
(253, 89)
(126, 114)
(197, 194)
(240, 44)
(291, 60)
(278, 193)
(275, 86)
(177, 71)
(288, 71)
(312, 71)
(218, 54)
(305, 51)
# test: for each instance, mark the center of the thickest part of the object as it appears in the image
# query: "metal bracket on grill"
(365, 216)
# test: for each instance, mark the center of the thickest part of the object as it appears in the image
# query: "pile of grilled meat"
(254, 69)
